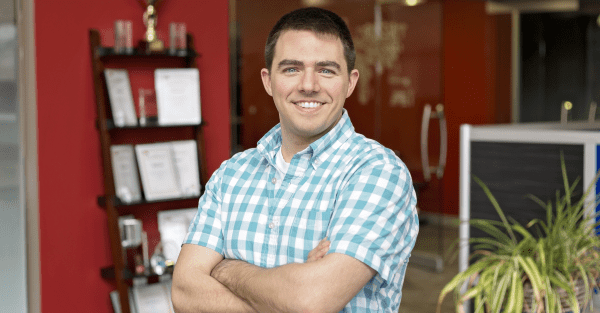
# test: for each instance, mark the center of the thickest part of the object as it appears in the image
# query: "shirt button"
(274, 180)
(316, 161)
(271, 225)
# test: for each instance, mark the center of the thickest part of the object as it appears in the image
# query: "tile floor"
(422, 286)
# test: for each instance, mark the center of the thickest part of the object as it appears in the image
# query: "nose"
(309, 82)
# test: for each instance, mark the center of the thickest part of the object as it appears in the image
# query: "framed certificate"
(185, 153)
(153, 298)
(178, 96)
(115, 299)
(125, 173)
(121, 99)
(173, 226)
(158, 171)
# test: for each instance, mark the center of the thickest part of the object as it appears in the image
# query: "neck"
(289, 148)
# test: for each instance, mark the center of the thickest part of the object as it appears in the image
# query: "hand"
(218, 272)
(319, 251)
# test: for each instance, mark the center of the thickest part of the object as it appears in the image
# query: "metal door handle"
(428, 115)
(443, 140)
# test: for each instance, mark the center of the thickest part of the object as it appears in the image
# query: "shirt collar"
(271, 141)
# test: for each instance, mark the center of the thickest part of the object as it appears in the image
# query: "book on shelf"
(178, 96)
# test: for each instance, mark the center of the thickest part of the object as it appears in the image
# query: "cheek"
(336, 89)
(284, 87)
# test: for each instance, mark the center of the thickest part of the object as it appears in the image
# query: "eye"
(290, 70)
(327, 71)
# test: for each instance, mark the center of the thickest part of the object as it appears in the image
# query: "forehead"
(305, 45)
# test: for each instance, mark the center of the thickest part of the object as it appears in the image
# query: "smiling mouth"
(308, 105)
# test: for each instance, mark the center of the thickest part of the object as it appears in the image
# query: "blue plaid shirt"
(344, 186)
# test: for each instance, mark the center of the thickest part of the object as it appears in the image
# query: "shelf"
(151, 122)
(120, 273)
(116, 202)
(109, 52)
(108, 273)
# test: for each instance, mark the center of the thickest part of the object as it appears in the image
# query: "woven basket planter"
(580, 287)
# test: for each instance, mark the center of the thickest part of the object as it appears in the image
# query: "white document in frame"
(173, 227)
(153, 298)
(121, 99)
(178, 96)
(115, 298)
(125, 173)
(185, 153)
(158, 171)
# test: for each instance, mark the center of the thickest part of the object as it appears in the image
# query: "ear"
(353, 80)
(266, 79)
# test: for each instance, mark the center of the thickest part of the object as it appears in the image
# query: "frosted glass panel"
(12, 210)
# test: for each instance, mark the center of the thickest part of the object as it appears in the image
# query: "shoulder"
(241, 161)
(368, 153)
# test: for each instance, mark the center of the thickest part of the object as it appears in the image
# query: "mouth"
(308, 104)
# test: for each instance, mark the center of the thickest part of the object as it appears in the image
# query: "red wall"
(476, 79)
(74, 241)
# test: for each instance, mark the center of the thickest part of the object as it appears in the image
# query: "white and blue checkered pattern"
(345, 186)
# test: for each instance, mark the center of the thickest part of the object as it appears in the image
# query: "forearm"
(205, 294)
(310, 287)
(266, 290)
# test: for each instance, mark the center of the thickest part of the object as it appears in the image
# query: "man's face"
(309, 83)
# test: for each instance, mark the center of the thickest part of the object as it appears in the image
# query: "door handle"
(427, 116)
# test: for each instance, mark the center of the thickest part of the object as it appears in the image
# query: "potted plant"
(515, 271)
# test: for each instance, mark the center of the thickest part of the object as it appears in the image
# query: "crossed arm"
(205, 282)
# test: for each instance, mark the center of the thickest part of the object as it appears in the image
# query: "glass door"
(12, 208)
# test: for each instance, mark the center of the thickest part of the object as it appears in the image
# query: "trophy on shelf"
(151, 41)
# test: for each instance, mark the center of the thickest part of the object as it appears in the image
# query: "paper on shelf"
(178, 96)
(121, 99)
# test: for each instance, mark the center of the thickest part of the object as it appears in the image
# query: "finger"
(313, 258)
(316, 255)
(319, 251)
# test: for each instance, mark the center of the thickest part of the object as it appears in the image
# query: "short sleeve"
(206, 227)
(374, 219)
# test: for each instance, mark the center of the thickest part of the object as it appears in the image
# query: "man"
(317, 218)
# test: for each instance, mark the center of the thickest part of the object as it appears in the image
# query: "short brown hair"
(317, 20)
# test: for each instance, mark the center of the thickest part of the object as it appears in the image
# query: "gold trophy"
(151, 41)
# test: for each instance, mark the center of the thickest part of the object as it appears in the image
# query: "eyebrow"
(287, 62)
(329, 64)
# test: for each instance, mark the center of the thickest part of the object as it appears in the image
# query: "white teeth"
(309, 104)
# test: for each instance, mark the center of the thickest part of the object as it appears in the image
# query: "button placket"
(273, 238)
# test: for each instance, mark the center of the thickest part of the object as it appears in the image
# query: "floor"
(422, 286)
